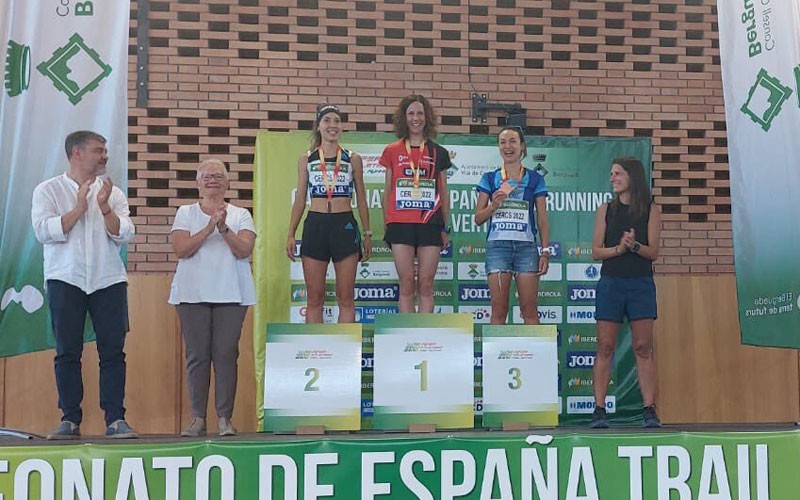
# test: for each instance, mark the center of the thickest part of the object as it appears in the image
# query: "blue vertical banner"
(760, 55)
(65, 69)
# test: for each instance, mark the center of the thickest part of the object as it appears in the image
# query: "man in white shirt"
(82, 220)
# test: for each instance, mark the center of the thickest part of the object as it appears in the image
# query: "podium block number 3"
(516, 378)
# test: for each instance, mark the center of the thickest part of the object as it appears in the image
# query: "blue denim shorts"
(506, 256)
(617, 298)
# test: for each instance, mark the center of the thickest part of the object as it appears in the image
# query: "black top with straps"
(629, 264)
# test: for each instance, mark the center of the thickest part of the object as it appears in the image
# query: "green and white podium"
(423, 373)
(520, 376)
(312, 378)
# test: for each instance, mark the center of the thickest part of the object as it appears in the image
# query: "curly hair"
(400, 123)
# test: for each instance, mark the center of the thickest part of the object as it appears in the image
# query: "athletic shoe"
(650, 418)
(226, 428)
(120, 430)
(599, 418)
(196, 429)
(65, 430)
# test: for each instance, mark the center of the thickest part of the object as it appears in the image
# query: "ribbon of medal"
(416, 192)
(330, 181)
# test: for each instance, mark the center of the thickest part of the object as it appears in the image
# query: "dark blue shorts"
(617, 298)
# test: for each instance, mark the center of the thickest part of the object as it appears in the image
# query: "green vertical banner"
(756, 466)
(761, 81)
(65, 69)
(577, 176)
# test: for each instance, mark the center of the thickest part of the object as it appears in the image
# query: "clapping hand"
(628, 239)
(83, 196)
(221, 216)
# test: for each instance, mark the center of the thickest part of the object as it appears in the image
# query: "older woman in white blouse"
(211, 290)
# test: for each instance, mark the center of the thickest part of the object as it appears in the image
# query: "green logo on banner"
(797, 83)
(765, 99)
(18, 68)
(75, 69)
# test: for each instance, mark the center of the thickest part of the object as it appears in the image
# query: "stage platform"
(677, 461)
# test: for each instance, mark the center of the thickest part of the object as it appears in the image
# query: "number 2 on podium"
(314, 374)
(423, 375)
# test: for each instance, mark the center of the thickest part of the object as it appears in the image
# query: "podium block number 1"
(423, 375)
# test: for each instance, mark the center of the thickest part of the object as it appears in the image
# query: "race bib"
(511, 216)
(409, 197)
(319, 184)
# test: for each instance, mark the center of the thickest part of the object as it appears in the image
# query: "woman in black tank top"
(626, 234)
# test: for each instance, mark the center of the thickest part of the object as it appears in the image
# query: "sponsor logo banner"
(583, 272)
(580, 360)
(580, 293)
(472, 271)
(366, 314)
(377, 293)
(585, 404)
(548, 315)
(473, 293)
(480, 314)
(580, 314)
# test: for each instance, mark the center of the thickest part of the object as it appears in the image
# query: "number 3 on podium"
(516, 378)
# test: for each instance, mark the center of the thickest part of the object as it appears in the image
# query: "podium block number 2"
(314, 374)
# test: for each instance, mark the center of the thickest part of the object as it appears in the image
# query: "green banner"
(760, 62)
(575, 466)
(577, 175)
(66, 69)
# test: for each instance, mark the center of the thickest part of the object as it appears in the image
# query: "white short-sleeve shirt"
(213, 274)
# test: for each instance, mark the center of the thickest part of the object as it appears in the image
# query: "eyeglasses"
(215, 177)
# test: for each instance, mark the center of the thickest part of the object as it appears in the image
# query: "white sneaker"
(196, 429)
(226, 428)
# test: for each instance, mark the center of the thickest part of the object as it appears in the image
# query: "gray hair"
(212, 161)
(80, 138)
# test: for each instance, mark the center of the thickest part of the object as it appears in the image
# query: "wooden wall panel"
(705, 374)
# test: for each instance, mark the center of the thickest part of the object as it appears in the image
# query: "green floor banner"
(576, 171)
(761, 80)
(66, 69)
(756, 465)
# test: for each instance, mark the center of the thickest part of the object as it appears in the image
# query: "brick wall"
(220, 71)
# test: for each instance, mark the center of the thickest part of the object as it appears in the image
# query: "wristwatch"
(446, 229)
(636, 247)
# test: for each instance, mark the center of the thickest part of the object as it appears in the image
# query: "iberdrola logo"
(75, 69)
(18, 68)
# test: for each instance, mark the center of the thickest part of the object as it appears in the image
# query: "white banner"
(760, 54)
(65, 69)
